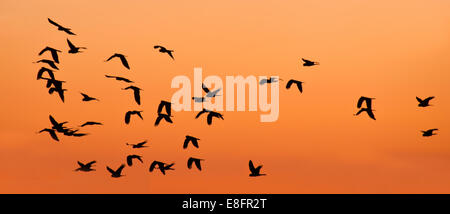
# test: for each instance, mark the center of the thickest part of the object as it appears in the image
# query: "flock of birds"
(163, 111)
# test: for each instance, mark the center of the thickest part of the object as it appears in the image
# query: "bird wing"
(130, 160)
(200, 113)
(299, 86)
(54, 23)
(53, 135)
(167, 118)
(81, 164)
(127, 117)
(71, 46)
(139, 114)
(371, 115)
(137, 96)
(261, 82)
(170, 54)
(418, 99)
(189, 163)
(158, 119)
(428, 99)
(360, 101)
(205, 89)
(124, 61)
(290, 82)
(307, 61)
(90, 163)
(114, 55)
(213, 93)
(53, 121)
(41, 72)
(60, 93)
(186, 142)
(67, 30)
(251, 166)
(209, 119)
(195, 142)
(157, 46)
(110, 170)
(44, 50)
(152, 166)
(198, 164)
(119, 170)
(55, 56)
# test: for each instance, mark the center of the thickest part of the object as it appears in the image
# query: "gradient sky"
(391, 50)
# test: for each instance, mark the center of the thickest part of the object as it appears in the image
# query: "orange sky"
(391, 50)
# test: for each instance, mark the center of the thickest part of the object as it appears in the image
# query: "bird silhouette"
(59, 127)
(53, 51)
(429, 132)
(51, 132)
(204, 110)
(369, 112)
(425, 102)
(298, 83)
(164, 50)
(48, 62)
(167, 105)
(270, 80)
(254, 172)
(196, 161)
(136, 91)
(191, 139)
(213, 114)
(166, 117)
(363, 99)
(86, 167)
(90, 123)
(129, 113)
(52, 81)
(131, 157)
(161, 166)
(58, 88)
(117, 173)
(74, 49)
(309, 62)
(45, 70)
(122, 59)
(61, 28)
(138, 145)
(199, 99)
(210, 93)
(119, 78)
(87, 98)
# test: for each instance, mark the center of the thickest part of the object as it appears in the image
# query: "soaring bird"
(164, 50)
(369, 112)
(138, 145)
(61, 28)
(298, 83)
(119, 78)
(213, 114)
(204, 110)
(87, 98)
(74, 49)
(131, 157)
(166, 117)
(199, 99)
(59, 89)
(210, 93)
(425, 102)
(48, 62)
(129, 113)
(59, 127)
(363, 99)
(85, 167)
(53, 51)
(309, 62)
(196, 161)
(191, 139)
(122, 58)
(117, 173)
(51, 132)
(136, 91)
(270, 80)
(254, 171)
(429, 132)
(90, 123)
(167, 105)
(161, 166)
(48, 71)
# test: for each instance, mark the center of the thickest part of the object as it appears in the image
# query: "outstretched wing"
(110, 170)
(71, 46)
(209, 119)
(418, 99)
(205, 89)
(53, 22)
(90, 163)
(124, 61)
(428, 99)
(189, 163)
(371, 115)
(290, 82)
(53, 135)
(119, 170)
(130, 160)
(152, 166)
(142, 143)
(127, 117)
(158, 119)
(251, 166)
(170, 54)
(137, 96)
(198, 164)
(81, 164)
(307, 61)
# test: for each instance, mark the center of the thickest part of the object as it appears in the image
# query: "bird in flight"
(57, 87)
(131, 157)
(61, 28)
(270, 80)
(129, 113)
(122, 59)
(136, 91)
(161, 166)
(48, 62)
(204, 110)
(254, 172)
(48, 71)
(369, 112)
(429, 132)
(86, 167)
(191, 139)
(87, 98)
(166, 117)
(164, 50)
(53, 51)
(210, 93)
(196, 161)
(296, 82)
(117, 173)
(90, 123)
(59, 127)
(213, 114)
(74, 49)
(309, 62)
(425, 102)
(167, 106)
(368, 108)
(138, 145)
(51, 132)
(119, 78)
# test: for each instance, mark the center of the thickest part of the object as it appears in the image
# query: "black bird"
(196, 161)
(90, 123)
(53, 51)
(136, 91)
(59, 89)
(429, 132)
(49, 72)
(48, 62)
(164, 50)
(117, 173)
(166, 117)
(131, 157)
(70, 132)
(86, 167)
(51, 132)
(210, 93)
(161, 166)
(191, 139)
(59, 127)
(369, 112)
(167, 105)
(138, 145)
(425, 102)
(298, 83)
(199, 99)
(119, 78)
(129, 113)
(87, 98)
(61, 28)
(363, 99)
(52, 81)
(122, 58)
(213, 114)
(270, 80)
(254, 171)
(73, 48)
(204, 110)
(309, 62)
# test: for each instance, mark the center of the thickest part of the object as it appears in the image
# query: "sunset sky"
(390, 50)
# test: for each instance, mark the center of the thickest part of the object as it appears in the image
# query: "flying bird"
(53, 51)
(213, 114)
(161, 166)
(204, 110)
(117, 173)
(48, 62)
(309, 62)
(425, 102)
(52, 81)
(119, 78)
(167, 105)
(59, 127)
(363, 99)
(61, 28)
(138, 145)
(429, 132)
(51, 132)
(210, 93)
(86, 167)
(122, 59)
(59, 89)
(296, 82)
(45, 70)
(166, 117)
(90, 123)
(87, 98)
(131, 157)
(136, 91)
(369, 112)
(196, 161)
(164, 50)
(270, 80)
(191, 139)
(74, 49)
(129, 113)
(254, 171)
